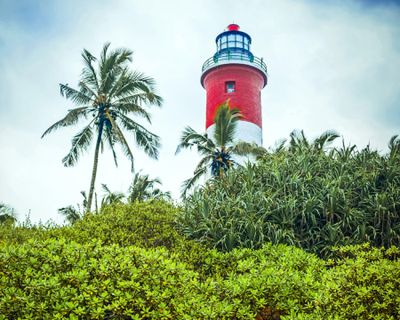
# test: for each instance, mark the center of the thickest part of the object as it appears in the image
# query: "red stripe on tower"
(235, 74)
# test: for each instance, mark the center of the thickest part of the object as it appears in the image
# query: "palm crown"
(216, 151)
(105, 99)
(143, 188)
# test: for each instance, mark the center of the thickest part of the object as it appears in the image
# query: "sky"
(331, 65)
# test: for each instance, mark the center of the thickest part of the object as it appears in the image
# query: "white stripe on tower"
(245, 131)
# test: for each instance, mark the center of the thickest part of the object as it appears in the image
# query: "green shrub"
(144, 224)
(301, 196)
(56, 279)
(363, 284)
(135, 265)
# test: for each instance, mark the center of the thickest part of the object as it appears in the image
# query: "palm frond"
(325, 139)
(110, 197)
(89, 74)
(124, 55)
(84, 201)
(132, 83)
(143, 188)
(78, 97)
(189, 183)
(225, 124)
(111, 66)
(191, 137)
(243, 148)
(80, 143)
(121, 80)
(70, 119)
(109, 137)
(140, 97)
(144, 138)
(105, 188)
(204, 162)
(126, 108)
(85, 89)
(70, 213)
(119, 137)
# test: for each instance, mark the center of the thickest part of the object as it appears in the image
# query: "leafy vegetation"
(130, 262)
(302, 194)
(108, 96)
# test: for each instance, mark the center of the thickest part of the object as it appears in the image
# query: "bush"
(144, 224)
(363, 284)
(115, 273)
(57, 279)
(301, 196)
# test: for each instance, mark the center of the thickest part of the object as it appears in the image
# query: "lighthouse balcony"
(234, 58)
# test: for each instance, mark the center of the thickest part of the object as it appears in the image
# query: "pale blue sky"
(332, 65)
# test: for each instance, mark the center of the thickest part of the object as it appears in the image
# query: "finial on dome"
(233, 27)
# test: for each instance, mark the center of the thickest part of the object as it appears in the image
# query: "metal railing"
(234, 57)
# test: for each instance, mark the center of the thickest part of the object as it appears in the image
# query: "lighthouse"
(234, 74)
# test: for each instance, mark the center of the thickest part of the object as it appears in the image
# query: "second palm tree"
(216, 151)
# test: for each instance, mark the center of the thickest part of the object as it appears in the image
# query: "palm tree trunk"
(94, 170)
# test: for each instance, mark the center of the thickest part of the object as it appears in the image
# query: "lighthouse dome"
(233, 41)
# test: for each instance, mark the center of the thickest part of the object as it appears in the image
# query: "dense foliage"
(302, 195)
(129, 262)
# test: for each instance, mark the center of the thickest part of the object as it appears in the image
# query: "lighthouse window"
(224, 43)
(230, 86)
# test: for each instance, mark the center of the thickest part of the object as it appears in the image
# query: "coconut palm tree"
(143, 188)
(70, 213)
(106, 98)
(216, 151)
(111, 197)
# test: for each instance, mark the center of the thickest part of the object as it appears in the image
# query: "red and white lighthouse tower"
(233, 73)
